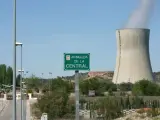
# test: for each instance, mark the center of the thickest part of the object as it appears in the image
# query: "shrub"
(37, 90)
(145, 87)
(140, 111)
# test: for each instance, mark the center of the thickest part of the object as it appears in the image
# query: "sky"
(50, 28)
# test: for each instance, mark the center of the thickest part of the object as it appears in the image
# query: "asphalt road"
(7, 113)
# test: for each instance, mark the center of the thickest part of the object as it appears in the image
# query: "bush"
(110, 107)
(125, 86)
(56, 104)
(99, 86)
(37, 90)
(140, 111)
(146, 88)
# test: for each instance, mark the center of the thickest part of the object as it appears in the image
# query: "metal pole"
(77, 93)
(21, 86)
(24, 99)
(14, 63)
(22, 94)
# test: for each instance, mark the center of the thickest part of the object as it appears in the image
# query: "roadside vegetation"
(108, 101)
(56, 100)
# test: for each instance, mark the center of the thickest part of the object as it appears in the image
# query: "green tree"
(58, 84)
(3, 74)
(18, 78)
(34, 82)
(84, 87)
(99, 85)
(145, 87)
(9, 75)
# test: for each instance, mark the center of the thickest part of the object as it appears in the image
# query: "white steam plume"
(141, 16)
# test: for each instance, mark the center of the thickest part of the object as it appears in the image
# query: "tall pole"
(22, 94)
(24, 98)
(21, 88)
(14, 62)
(77, 93)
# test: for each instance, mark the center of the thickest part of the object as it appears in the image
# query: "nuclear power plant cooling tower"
(133, 59)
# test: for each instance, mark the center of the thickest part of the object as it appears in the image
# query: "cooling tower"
(133, 59)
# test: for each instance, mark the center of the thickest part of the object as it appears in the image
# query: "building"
(156, 76)
(104, 74)
(133, 59)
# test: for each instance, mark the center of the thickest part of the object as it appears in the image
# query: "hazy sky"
(49, 28)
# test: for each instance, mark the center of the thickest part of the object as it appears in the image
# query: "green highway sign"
(76, 61)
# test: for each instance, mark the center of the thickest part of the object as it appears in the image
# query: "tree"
(34, 82)
(145, 87)
(98, 85)
(18, 79)
(6, 74)
(84, 87)
(59, 84)
(3, 74)
(9, 75)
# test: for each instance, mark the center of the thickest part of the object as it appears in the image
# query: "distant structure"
(133, 59)
(156, 76)
(104, 74)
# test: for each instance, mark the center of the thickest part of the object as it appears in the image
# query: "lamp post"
(14, 60)
(24, 100)
(20, 44)
(25, 93)
(21, 89)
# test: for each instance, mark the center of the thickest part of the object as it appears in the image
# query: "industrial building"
(133, 59)
(103, 74)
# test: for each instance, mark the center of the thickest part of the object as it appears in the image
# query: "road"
(2, 104)
(7, 113)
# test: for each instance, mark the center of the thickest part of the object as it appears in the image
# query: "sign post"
(76, 62)
(77, 94)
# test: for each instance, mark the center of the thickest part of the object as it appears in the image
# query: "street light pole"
(14, 61)
(22, 107)
(21, 90)
(20, 44)
(23, 98)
